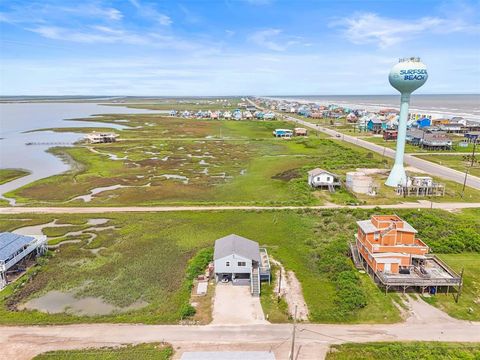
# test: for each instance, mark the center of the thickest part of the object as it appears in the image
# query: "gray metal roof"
(11, 243)
(234, 244)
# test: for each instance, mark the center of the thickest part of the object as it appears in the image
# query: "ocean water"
(467, 106)
(16, 119)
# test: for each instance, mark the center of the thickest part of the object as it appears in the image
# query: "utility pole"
(279, 284)
(471, 165)
(460, 286)
(292, 350)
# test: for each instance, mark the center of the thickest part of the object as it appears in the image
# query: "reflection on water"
(17, 118)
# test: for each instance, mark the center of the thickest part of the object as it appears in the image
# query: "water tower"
(406, 76)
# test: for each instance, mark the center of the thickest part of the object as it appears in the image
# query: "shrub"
(196, 266)
(187, 311)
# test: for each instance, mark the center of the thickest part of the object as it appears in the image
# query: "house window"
(376, 235)
(227, 263)
(242, 263)
(329, 178)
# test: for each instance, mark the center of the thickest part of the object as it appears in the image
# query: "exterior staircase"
(356, 256)
(255, 281)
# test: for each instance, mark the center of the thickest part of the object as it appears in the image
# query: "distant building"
(424, 122)
(351, 117)
(283, 133)
(300, 131)
(269, 116)
(97, 138)
(436, 141)
(358, 182)
(376, 125)
(319, 178)
(472, 136)
(390, 135)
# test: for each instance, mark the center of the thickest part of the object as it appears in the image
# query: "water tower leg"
(398, 175)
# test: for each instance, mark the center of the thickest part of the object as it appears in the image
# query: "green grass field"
(163, 160)
(405, 351)
(467, 306)
(219, 162)
(457, 162)
(7, 175)
(151, 351)
(147, 259)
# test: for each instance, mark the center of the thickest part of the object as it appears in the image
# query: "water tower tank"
(408, 75)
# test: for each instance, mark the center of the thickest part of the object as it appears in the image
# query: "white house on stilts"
(241, 261)
(15, 253)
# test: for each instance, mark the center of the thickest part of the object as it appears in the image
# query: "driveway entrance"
(234, 305)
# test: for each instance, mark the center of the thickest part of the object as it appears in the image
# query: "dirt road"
(425, 323)
(421, 204)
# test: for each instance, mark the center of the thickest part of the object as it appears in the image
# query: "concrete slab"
(234, 305)
(228, 355)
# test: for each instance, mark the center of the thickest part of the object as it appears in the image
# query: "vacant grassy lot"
(7, 175)
(405, 351)
(151, 351)
(468, 305)
(457, 162)
(146, 259)
(164, 160)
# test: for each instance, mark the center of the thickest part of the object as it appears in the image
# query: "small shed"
(319, 178)
(300, 132)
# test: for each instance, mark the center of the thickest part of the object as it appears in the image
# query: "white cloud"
(166, 73)
(148, 11)
(365, 28)
(266, 38)
(371, 28)
(97, 34)
(273, 39)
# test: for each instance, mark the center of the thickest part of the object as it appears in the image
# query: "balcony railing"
(415, 281)
(38, 242)
(264, 267)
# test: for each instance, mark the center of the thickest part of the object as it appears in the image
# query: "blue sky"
(230, 47)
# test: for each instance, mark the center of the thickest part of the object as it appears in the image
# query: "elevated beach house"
(241, 261)
(283, 133)
(319, 178)
(387, 247)
(16, 253)
(99, 138)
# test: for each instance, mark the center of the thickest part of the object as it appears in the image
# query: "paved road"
(424, 165)
(424, 323)
(421, 204)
